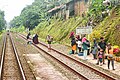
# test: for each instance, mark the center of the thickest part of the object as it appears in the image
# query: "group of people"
(49, 39)
(83, 45)
(34, 39)
(100, 50)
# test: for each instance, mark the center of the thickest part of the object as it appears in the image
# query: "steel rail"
(18, 60)
(77, 61)
(68, 67)
(63, 64)
(2, 57)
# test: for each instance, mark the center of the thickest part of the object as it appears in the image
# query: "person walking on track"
(49, 40)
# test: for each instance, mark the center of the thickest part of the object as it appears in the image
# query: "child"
(79, 45)
(100, 56)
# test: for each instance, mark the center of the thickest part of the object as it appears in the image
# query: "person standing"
(88, 45)
(84, 47)
(100, 56)
(28, 38)
(77, 41)
(102, 45)
(49, 40)
(74, 46)
(94, 50)
(109, 51)
(79, 45)
(71, 35)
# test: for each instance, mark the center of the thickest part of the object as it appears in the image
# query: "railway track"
(84, 71)
(10, 67)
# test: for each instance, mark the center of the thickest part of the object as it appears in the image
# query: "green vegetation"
(58, 29)
(110, 27)
(0, 35)
(2, 20)
(34, 14)
(35, 17)
(19, 29)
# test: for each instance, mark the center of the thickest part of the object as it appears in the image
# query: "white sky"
(13, 8)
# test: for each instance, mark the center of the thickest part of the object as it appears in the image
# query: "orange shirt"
(74, 47)
(110, 51)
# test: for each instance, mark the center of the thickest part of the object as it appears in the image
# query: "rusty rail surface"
(16, 55)
(106, 76)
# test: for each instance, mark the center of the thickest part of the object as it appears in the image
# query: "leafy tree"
(2, 20)
(33, 14)
(16, 22)
(30, 16)
(96, 7)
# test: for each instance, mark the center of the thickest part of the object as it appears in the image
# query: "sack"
(80, 54)
(110, 56)
(70, 52)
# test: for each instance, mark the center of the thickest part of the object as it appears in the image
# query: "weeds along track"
(79, 68)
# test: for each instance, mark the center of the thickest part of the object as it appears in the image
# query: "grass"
(60, 29)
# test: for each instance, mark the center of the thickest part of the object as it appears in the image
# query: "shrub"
(116, 51)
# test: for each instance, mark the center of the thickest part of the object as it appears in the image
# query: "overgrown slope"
(110, 27)
(60, 29)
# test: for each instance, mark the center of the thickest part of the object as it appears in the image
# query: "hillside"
(60, 29)
(110, 27)
(36, 19)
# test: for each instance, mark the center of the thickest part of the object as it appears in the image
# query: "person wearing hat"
(110, 56)
(85, 46)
